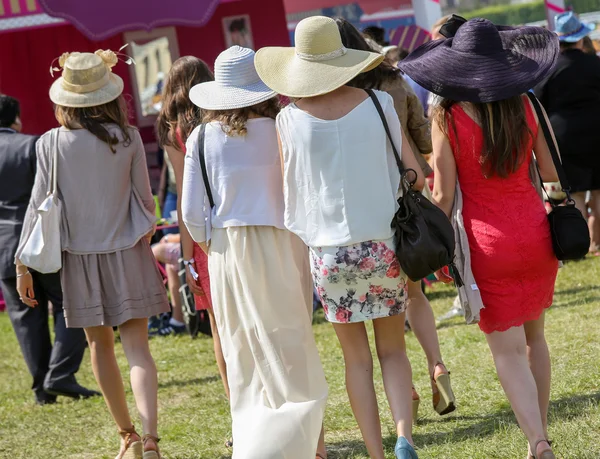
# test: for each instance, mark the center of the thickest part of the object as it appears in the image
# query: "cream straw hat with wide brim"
(317, 65)
(87, 80)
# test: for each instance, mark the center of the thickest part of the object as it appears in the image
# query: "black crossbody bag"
(569, 230)
(424, 235)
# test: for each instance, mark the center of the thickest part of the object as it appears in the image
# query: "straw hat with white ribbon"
(319, 63)
(87, 80)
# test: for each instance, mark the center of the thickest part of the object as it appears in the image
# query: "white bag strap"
(54, 166)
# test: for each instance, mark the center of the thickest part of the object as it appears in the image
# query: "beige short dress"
(111, 288)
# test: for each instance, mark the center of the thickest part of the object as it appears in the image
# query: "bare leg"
(143, 374)
(579, 199)
(539, 362)
(359, 383)
(321, 449)
(108, 376)
(422, 322)
(595, 221)
(510, 356)
(219, 352)
(396, 371)
(174, 284)
(160, 253)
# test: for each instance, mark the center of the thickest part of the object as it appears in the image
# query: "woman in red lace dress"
(484, 132)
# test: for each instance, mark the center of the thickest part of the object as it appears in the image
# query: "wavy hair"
(178, 112)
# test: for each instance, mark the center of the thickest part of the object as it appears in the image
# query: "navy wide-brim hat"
(483, 62)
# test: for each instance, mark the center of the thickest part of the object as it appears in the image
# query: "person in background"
(168, 252)
(176, 120)
(484, 131)
(377, 34)
(571, 96)
(426, 97)
(109, 276)
(343, 214)
(416, 131)
(391, 53)
(261, 278)
(52, 367)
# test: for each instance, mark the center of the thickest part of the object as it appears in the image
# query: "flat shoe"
(404, 450)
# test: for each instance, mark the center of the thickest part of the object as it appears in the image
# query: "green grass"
(194, 418)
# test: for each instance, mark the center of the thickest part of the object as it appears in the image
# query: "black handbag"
(569, 230)
(424, 235)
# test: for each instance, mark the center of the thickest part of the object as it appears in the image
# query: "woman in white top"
(340, 187)
(260, 280)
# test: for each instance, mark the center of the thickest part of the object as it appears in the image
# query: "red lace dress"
(508, 231)
(204, 301)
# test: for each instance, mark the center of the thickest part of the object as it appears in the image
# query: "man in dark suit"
(53, 368)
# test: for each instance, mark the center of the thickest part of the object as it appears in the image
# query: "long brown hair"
(380, 75)
(505, 133)
(94, 119)
(177, 111)
(233, 122)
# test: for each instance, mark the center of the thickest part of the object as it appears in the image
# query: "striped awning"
(24, 14)
(409, 37)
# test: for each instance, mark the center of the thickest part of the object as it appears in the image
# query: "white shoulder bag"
(43, 251)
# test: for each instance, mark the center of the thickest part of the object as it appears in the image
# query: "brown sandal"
(416, 400)
(546, 454)
(130, 449)
(151, 453)
(444, 401)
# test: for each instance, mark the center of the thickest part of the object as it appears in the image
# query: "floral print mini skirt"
(359, 282)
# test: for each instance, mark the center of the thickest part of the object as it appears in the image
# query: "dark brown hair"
(178, 111)
(233, 122)
(376, 78)
(505, 133)
(94, 119)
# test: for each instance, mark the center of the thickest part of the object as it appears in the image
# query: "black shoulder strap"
(202, 160)
(564, 182)
(386, 127)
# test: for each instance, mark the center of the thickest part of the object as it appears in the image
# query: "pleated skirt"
(109, 289)
(262, 300)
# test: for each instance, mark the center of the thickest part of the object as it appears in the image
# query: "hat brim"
(587, 28)
(287, 74)
(112, 90)
(529, 55)
(214, 96)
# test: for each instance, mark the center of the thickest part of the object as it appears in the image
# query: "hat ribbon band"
(86, 88)
(322, 57)
(568, 34)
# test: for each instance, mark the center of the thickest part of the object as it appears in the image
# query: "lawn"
(194, 418)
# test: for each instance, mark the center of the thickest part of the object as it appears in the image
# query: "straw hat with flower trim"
(87, 80)
(319, 63)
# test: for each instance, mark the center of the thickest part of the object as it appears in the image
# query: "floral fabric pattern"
(359, 282)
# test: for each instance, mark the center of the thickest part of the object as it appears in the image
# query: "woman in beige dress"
(109, 275)
(232, 205)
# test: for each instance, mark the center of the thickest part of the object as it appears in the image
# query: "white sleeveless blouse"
(340, 176)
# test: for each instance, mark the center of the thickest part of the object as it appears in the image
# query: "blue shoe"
(404, 449)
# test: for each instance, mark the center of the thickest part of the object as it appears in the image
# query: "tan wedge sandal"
(416, 401)
(151, 453)
(130, 449)
(444, 401)
(546, 454)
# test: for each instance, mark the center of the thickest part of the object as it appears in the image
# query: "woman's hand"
(25, 289)
(151, 233)
(193, 283)
(443, 275)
